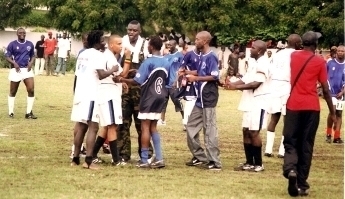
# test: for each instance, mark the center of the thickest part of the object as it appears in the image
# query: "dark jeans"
(299, 135)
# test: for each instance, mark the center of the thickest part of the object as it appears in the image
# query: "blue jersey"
(152, 75)
(21, 53)
(336, 76)
(191, 60)
(174, 60)
(208, 90)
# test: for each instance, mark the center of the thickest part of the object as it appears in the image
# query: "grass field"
(35, 156)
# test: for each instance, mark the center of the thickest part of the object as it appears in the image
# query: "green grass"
(35, 163)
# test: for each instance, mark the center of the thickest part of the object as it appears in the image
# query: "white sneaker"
(259, 168)
(161, 123)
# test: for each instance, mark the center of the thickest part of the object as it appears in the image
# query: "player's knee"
(339, 114)
(31, 91)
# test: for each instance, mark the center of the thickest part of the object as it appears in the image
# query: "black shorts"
(177, 102)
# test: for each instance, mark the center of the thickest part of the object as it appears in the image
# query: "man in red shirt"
(303, 113)
(49, 49)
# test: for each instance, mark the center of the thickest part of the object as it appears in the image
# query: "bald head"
(261, 45)
(258, 49)
(205, 35)
(202, 41)
(294, 41)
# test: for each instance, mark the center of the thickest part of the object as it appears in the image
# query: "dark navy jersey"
(21, 52)
(175, 61)
(208, 90)
(336, 76)
(152, 75)
(191, 60)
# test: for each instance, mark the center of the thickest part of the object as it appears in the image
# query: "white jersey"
(247, 95)
(261, 93)
(280, 73)
(135, 49)
(88, 63)
(108, 89)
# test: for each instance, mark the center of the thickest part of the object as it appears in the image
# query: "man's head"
(269, 53)
(236, 50)
(202, 39)
(21, 34)
(222, 48)
(340, 52)
(64, 35)
(310, 40)
(155, 44)
(115, 44)
(84, 40)
(172, 45)
(133, 30)
(258, 49)
(42, 37)
(294, 41)
(50, 35)
(95, 39)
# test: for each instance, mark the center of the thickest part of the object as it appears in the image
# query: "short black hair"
(310, 38)
(134, 22)
(156, 42)
(94, 37)
(20, 29)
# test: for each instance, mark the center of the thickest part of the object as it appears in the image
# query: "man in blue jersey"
(21, 55)
(174, 58)
(204, 112)
(336, 81)
(152, 76)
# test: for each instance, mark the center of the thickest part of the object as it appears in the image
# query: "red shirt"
(50, 45)
(304, 96)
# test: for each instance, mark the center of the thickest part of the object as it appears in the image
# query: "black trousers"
(299, 135)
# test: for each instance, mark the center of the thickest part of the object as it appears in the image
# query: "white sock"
(269, 142)
(11, 104)
(281, 147)
(30, 104)
(72, 149)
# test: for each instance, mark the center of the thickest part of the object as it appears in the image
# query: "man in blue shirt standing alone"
(20, 54)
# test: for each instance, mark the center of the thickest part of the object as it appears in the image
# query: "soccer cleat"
(303, 192)
(92, 166)
(212, 166)
(280, 156)
(338, 141)
(292, 188)
(157, 164)
(247, 167)
(11, 115)
(30, 116)
(161, 123)
(328, 138)
(122, 162)
(143, 165)
(270, 155)
(258, 168)
(194, 162)
(97, 160)
(73, 164)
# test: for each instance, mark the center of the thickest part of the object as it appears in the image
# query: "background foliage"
(229, 20)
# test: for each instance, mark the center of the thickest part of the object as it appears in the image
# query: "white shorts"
(277, 105)
(110, 113)
(23, 74)
(149, 116)
(85, 111)
(255, 120)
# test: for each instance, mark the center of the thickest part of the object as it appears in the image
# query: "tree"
(82, 16)
(13, 10)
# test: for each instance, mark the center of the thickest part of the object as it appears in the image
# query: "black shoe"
(212, 166)
(280, 156)
(303, 192)
(30, 116)
(292, 188)
(328, 138)
(338, 141)
(143, 165)
(11, 115)
(194, 162)
(269, 155)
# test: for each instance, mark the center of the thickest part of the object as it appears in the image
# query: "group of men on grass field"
(128, 79)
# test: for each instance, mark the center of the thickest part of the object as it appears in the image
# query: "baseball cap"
(310, 38)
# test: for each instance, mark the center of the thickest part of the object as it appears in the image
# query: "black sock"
(76, 160)
(257, 155)
(98, 145)
(248, 153)
(114, 151)
(88, 160)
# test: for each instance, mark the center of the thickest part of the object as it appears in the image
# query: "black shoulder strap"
(300, 72)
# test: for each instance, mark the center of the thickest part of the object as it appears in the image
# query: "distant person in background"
(233, 62)
(40, 61)
(166, 48)
(63, 49)
(163, 37)
(332, 54)
(184, 39)
(269, 56)
(49, 49)
(242, 64)
(319, 53)
(336, 79)
(221, 60)
(174, 35)
(20, 54)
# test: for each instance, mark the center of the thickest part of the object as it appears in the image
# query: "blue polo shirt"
(21, 52)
